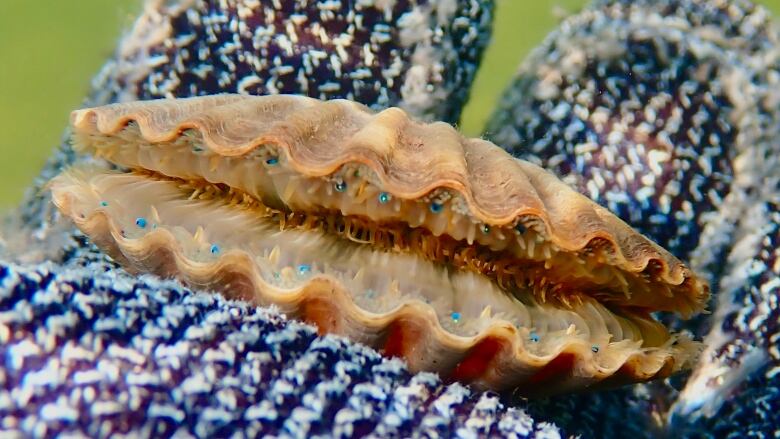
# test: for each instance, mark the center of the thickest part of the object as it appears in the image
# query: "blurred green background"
(51, 49)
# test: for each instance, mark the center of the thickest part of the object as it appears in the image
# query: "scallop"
(402, 235)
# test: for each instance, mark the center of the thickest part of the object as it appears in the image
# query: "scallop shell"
(207, 189)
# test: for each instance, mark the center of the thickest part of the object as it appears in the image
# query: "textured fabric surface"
(90, 350)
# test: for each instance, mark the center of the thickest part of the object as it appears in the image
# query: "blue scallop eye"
(271, 161)
(340, 186)
(304, 269)
(384, 197)
(104, 203)
(140, 222)
(214, 249)
(455, 317)
(520, 228)
(534, 337)
(485, 229)
(595, 348)
(436, 207)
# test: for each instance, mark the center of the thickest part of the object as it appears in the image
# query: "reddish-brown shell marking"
(410, 160)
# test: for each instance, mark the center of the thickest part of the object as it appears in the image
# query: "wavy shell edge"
(153, 253)
(163, 120)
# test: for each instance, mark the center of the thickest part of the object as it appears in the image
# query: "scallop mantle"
(443, 250)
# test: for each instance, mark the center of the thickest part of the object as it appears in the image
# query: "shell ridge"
(416, 311)
(228, 268)
(544, 189)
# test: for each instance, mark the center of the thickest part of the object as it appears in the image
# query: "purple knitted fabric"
(91, 350)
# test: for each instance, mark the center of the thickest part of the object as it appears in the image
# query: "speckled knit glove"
(90, 350)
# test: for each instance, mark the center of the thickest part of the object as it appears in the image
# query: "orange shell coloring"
(402, 235)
